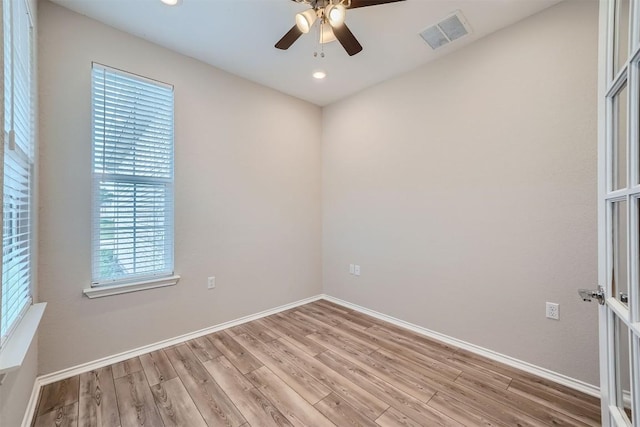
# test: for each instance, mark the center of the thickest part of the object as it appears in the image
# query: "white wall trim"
(32, 404)
(12, 356)
(123, 288)
(547, 374)
(109, 360)
(43, 380)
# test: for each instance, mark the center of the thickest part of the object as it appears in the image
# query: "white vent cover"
(447, 30)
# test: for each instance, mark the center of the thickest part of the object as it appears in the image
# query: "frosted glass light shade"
(305, 20)
(326, 35)
(336, 14)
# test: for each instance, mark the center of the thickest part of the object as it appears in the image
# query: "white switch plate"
(351, 269)
(356, 270)
(211, 282)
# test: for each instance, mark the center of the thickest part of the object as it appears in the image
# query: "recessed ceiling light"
(319, 75)
(171, 2)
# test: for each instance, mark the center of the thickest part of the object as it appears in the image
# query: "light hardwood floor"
(316, 365)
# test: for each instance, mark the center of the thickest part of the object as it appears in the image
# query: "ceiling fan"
(331, 15)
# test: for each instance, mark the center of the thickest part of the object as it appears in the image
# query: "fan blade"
(347, 39)
(365, 3)
(289, 38)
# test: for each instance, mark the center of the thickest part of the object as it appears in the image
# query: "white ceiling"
(239, 36)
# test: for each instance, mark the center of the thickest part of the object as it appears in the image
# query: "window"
(132, 178)
(18, 165)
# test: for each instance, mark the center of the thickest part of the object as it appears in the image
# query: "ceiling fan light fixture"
(305, 20)
(326, 34)
(171, 2)
(330, 13)
(335, 14)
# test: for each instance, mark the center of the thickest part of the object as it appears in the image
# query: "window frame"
(30, 159)
(114, 285)
(21, 333)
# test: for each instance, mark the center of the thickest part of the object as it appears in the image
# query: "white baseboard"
(109, 360)
(43, 380)
(556, 377)
(32, 404)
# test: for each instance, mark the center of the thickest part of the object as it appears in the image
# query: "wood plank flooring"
(315, 365)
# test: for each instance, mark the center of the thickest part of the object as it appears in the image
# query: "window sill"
(108, 290)
(15, 350)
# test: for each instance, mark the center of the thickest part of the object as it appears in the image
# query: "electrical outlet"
(351, 269)
(356, 270)
(211, 282)
(553, 311)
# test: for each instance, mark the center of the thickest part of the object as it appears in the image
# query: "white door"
(619, 211)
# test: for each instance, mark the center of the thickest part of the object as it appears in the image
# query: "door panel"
(619, 211)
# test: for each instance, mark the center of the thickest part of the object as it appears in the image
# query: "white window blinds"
(132, 177)
(18, 161)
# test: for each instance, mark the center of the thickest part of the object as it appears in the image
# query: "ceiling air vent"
(444, 32)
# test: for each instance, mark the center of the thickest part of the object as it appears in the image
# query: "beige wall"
(247, 196)
(18, 385)
(466, 190)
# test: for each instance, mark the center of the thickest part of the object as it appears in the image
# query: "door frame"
(608, 85)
